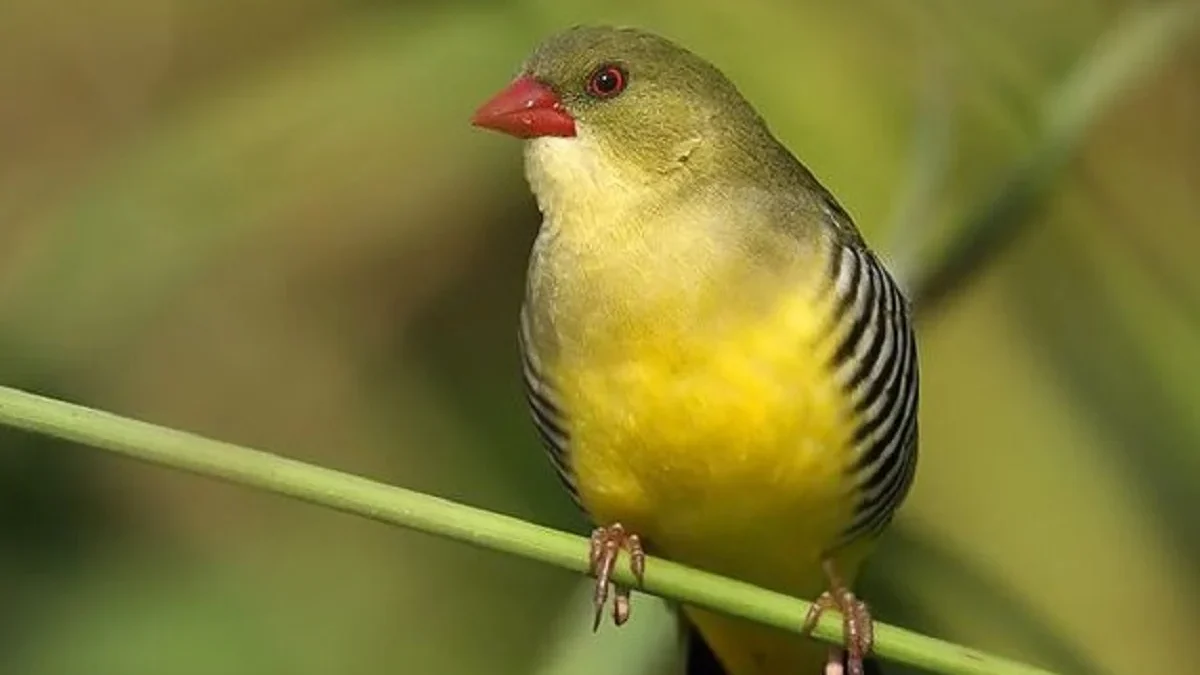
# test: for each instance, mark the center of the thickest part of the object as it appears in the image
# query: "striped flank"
(876, 363)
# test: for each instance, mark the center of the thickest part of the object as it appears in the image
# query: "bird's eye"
(606, 82)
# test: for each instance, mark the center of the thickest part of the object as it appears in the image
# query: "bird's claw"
(607, 544)
(857, 625)
(833, 666)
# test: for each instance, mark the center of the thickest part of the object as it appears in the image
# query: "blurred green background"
(269, 222)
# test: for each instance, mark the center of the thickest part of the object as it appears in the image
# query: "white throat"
(574, 181)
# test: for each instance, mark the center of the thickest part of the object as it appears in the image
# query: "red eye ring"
(606, 82)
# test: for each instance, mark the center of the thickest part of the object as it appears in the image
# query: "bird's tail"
(702, 661)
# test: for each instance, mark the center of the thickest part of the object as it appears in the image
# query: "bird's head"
(603, 105)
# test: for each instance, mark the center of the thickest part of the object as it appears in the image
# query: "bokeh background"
(269, 222)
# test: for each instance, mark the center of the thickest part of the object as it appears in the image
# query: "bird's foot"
(857, 626)
(607, 543)
(834, 665)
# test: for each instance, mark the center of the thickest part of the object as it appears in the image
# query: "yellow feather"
(703, 413)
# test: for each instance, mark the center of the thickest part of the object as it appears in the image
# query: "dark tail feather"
(871, 666)
(701, 660)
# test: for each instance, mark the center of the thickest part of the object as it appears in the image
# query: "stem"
(1136, 47)
(397, 506)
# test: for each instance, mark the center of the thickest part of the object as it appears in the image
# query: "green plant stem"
(1136, 47)
(397, 506)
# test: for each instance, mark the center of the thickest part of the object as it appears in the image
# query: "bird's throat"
(613, 245)
(578, 184)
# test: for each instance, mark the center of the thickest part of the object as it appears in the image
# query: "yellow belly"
(727, 449)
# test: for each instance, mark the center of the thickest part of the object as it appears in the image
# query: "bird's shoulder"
(785, 195)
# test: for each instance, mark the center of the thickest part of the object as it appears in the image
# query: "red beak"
(525, 109)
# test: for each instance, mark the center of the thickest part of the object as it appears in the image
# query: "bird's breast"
(702, 411)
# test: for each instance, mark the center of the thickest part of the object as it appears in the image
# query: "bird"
(721, 370)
